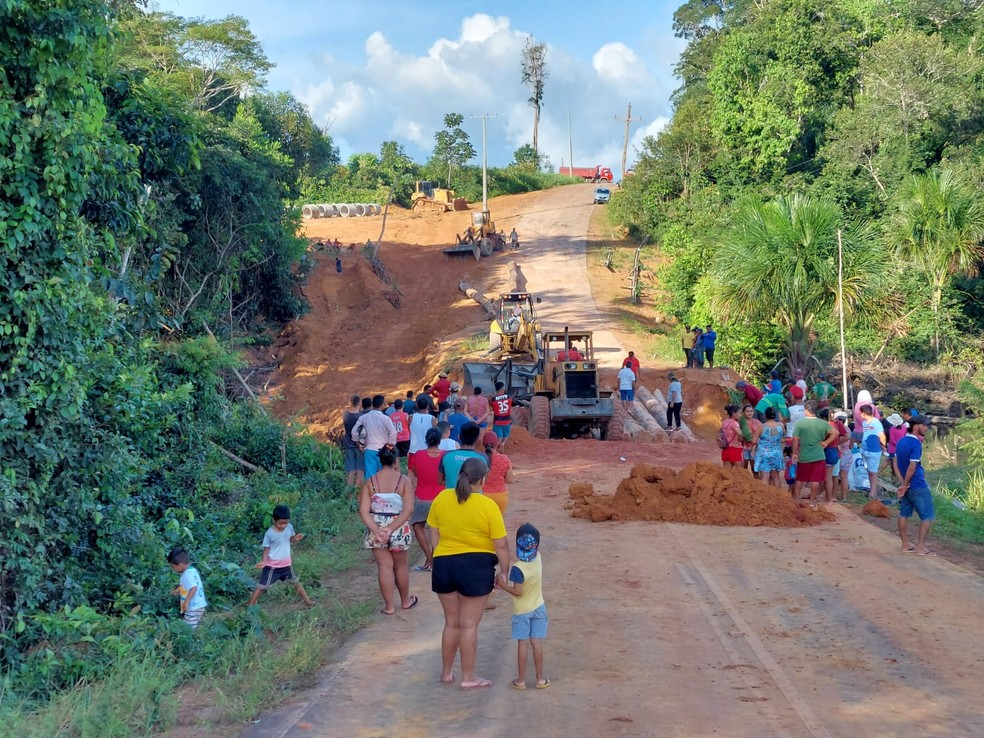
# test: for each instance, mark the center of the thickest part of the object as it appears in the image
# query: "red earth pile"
(702, 493)
(520, 439)
(876, 509)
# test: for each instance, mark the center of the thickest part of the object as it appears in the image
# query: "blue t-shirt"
(870, 438)
(774, 387)
(909, 451)
(452, 461)
(457, 420)
(709, 339)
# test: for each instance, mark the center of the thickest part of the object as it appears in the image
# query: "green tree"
(526, 157)
(453, 148)
(779, 262)
(941, 230)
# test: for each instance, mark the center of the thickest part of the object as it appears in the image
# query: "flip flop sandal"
(421, 568)
(413, 602)
(546, 684)
(517, 685)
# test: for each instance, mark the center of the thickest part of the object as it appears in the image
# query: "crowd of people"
(789, 435)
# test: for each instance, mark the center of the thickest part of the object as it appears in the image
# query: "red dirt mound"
(702, 493)
(520, 439)
(876, 509)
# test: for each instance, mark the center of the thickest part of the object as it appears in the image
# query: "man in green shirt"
(823, 391)
(811, 436)
(773, 400)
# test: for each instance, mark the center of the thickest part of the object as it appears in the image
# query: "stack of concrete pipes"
(342, 210)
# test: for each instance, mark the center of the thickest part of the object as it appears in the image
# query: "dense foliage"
(138, 205)
(871, 115)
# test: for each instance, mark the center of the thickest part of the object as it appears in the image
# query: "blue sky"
(375, 71)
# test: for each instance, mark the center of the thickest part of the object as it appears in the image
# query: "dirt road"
(553, 261)
(670, 630)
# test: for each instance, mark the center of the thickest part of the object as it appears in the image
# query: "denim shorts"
(872, 460)
(920, 500)
(530, 624)
(626, 395)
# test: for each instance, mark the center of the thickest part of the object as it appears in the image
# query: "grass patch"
(476, 344)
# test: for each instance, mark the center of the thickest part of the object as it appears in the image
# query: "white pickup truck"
(601, 196)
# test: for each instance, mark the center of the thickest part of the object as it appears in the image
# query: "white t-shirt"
(801, 383)
(279, 544)
(448, 444)
(190, 578)
(796, 413)
(626, 378)
(420, 423)
(675, 392)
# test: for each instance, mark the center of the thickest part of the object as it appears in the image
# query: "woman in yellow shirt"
(469, 539)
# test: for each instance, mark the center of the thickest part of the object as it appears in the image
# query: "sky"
(378, 70)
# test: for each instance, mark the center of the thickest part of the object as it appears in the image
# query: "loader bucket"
(460, 203)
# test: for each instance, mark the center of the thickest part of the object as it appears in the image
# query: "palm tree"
(778, 262)
(941, 224)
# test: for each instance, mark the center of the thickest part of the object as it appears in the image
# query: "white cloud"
(393, 93)
(617, 63)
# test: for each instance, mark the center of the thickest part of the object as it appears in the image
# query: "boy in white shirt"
(190, 588)
(276, 563)
(447, 443)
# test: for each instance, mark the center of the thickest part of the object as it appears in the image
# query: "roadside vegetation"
(149, 230)
(810, 137)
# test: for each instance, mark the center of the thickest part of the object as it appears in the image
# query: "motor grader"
(428, 197)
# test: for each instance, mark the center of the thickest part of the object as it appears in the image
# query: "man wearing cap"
(914, 492)
(823, 391)
(896, 432)
(441, 388)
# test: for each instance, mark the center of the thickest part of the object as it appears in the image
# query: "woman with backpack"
(729, 438)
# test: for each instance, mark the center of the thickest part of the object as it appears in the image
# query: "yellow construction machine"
(515, 328)
(428, 196)
(558, 382)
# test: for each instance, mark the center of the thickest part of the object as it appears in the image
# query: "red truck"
(589, 174)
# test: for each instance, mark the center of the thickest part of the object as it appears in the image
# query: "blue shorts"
(920, 500)
(626, 395)
(502, 431)
(372, 463)
(872, 460)
(831, 456)
(530, 624)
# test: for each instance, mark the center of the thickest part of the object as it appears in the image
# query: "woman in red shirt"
(731, 430)
(500, 473)
(429, 485)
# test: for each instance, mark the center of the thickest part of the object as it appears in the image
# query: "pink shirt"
(495, 482)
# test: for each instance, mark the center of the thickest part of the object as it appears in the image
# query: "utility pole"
(625, 146)
(570, 143)
(485, 160)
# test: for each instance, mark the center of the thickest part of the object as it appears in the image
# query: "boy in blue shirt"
(190, 588)
(914, 492)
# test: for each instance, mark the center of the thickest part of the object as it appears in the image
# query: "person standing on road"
(457, 419)
(402, 423)
(914, 493)
(385, 505)
(811, 438)
(352, 455)
(729, 437)
(441, 389)
(873, 445)
(469, 540)
(633, 363)
(429, 485)
(501, 414)
(479, 409)
(710, 341)
(674, 403)
(420, 422)
(513, 239)
(379, 432)
(452, 461)
(529, 620)
(500, 472)
(626, 384)
(769, 464)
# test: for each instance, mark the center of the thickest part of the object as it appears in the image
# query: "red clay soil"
(354, 340)
(702, 493)
(876, 509)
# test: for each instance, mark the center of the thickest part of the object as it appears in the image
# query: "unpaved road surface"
(670, 630)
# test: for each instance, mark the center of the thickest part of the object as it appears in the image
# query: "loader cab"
(514, 309)
(570, 368)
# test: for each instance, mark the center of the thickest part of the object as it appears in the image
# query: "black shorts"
(468, 574)
(403, 447)
(270, 576)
